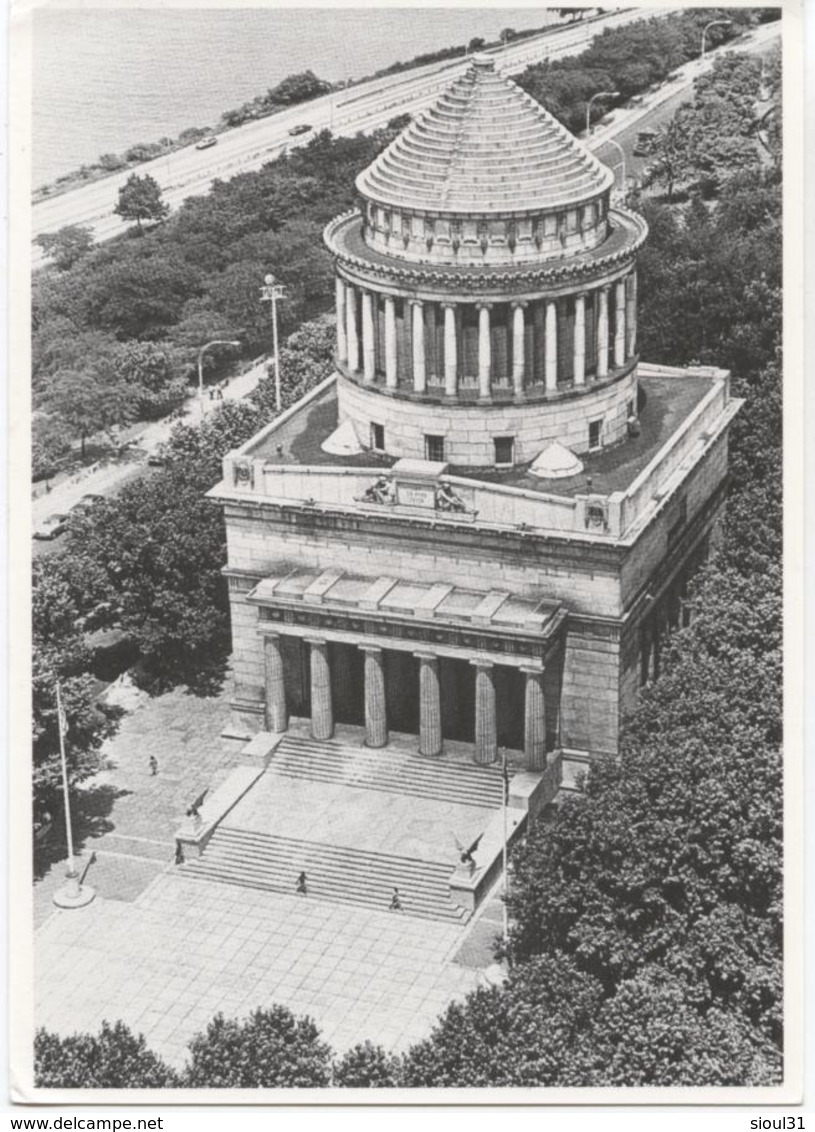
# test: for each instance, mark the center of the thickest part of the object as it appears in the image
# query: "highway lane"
(189, 171)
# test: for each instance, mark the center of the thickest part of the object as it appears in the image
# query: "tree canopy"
(140, 200)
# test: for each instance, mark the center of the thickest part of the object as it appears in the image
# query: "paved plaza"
(164, 952)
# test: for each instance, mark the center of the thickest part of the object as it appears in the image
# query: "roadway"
(189, 172)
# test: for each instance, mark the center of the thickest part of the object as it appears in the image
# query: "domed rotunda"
(486, 289)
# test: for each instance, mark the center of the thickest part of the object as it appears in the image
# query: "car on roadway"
(52, 527)
(206, 143)
(303, 128)
(644, 145)
(85, 503)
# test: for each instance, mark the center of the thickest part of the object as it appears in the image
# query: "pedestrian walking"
(179, 853)
(211, 394)
(153, 766)
(396, 901)
(301, 886)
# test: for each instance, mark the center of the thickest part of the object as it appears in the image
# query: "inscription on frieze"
(416, 495)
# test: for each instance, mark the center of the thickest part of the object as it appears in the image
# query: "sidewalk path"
(107, 479)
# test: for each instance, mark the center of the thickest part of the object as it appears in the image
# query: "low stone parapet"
(194, 835)
(529, 792)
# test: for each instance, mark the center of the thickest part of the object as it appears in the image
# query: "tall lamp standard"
(600, 94)
(621, 151)
(270, 292)
(713, 24)
(201, 352)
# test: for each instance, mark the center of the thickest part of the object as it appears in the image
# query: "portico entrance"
(418, 658)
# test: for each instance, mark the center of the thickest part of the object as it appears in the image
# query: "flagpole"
(65, 792)
(74, 893)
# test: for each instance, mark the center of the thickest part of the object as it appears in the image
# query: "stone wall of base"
(469, 432)
(589, 709)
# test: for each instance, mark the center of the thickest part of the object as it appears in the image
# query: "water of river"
(106, 78)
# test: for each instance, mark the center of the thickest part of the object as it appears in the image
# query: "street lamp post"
(621, 151)
(270, 292)
(201, 352)
(600, 94)
(713, 24)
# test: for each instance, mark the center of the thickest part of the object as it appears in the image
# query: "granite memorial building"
(480, 529)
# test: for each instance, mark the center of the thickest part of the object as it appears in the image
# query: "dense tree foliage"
(270, 1050)
(140, 308)
(66, 246)
(115, 1059)
(367, 1066)
(718, 134)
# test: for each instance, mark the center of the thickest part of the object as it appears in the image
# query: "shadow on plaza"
(198, 672)
(91, 810)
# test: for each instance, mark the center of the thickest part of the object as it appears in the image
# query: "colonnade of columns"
(430, 708)
(612, 341)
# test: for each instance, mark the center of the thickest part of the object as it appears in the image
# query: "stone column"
(391, 375)
(342, 339)
(419, 369)
(602, 334)
(450, 351)
(277, 717)
(534, 720)
(518, 348)
(484, 351)
(351, 328)
(551, 347)
(580, 339)
(619, 324)
(430, 740)
(486, 733)
(631, 316)
(322, 709)
(368, 341)
(376, 721)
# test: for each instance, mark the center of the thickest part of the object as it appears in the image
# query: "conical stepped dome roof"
(484, 147)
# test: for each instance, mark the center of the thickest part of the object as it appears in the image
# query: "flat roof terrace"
(666, 400)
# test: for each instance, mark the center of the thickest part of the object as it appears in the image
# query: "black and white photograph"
(403, 705)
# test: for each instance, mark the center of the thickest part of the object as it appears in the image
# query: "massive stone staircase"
(347, 876)
(466, 784)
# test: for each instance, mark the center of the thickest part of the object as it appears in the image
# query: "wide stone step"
(341, 874)
(326, 761)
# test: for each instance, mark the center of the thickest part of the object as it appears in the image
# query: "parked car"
(303, 128)
(85, 503)
(206, 143)
(155, 460)
(52, 527)
(644, 145)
